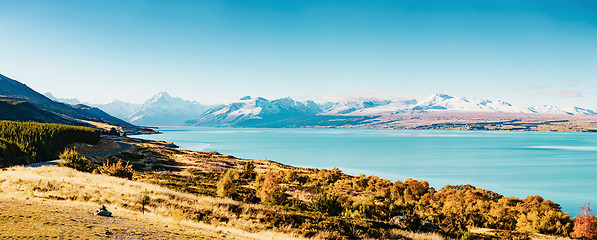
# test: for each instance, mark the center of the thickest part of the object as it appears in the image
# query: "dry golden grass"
(103, 126)
(37, 218)
(51, 182)
(103, 145)
(424, 236)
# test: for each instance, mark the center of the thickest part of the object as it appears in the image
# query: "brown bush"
(117, 169)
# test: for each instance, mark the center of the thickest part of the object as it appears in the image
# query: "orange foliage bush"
(585, 223)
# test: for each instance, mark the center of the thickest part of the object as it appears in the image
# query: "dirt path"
(123, 147)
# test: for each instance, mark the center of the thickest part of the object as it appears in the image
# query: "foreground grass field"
(51, 201)
(38, 218)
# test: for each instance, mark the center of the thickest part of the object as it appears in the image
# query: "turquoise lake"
(558, 166)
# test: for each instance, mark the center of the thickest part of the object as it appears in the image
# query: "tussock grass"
(423, 236)
(51, 182)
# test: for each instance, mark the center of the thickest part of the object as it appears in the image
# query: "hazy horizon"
(527, 53)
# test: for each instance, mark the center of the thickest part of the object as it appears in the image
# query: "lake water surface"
(558, 166)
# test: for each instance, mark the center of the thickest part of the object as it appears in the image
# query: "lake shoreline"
(537, 159)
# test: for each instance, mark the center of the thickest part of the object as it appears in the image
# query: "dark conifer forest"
(30, 142)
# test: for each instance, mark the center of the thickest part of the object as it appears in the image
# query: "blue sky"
(525, 52)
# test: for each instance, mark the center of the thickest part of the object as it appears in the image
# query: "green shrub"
(70, 158)
(145, 200)
(327, 204)
(226, 186)
(248, 172)
(468, 236)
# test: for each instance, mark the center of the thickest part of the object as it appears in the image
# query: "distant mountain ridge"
(160, 110)
(25, 104)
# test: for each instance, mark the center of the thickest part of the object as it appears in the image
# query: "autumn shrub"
(585, 224)
(290, 176)
(70, 158)
(329, 176)
(270, 191)
(226, 186)
(117, 169)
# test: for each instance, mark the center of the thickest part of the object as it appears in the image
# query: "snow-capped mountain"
(259, 110)
(368, 108)
(545, 109)
(161, 110)
(446, 102)
(290, 113)
(72, 101)
(580, 111)
(119, 108)
(435, 102)
(165, 110)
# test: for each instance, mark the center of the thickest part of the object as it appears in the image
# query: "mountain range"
(165, 110)
(285, 112)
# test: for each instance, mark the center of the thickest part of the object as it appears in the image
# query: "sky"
(528, 53)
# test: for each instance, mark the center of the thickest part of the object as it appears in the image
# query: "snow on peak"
(580, 111)
(256, 109)
(161, 96)
(72, 101)
(548, 109)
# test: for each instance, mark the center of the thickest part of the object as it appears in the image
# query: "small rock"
(103, 211)
(108, 232)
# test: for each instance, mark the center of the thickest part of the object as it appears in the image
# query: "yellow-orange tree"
(584, 223)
